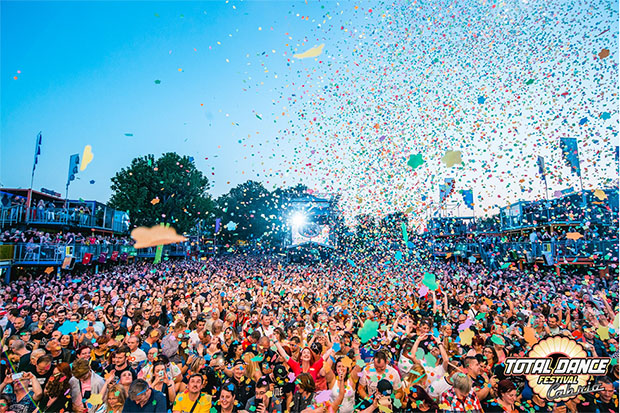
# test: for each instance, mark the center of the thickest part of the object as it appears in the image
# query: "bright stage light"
(298, 219)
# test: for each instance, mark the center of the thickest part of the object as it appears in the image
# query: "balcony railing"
(53, 254)
(560, 251)
(60, 216)
(11, 215)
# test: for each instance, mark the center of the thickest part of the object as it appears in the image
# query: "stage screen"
(310, 232)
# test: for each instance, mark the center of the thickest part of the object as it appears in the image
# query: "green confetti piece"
(415, 161)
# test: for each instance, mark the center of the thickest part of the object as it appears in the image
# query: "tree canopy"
(169, 189)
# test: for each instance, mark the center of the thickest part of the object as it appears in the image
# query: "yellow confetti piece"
(466, 336)
(452, 158)
(95, 399)
(314, 52)
(87, 157)
(529, 335)
(600, 194)
(603, 332)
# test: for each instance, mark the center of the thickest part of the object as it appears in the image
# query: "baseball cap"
(279, 371)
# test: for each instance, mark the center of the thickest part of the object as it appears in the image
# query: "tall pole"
(34, 165)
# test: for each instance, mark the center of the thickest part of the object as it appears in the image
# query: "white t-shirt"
(138, 356)
(370, 378)
(432, 373)
(405, 365)
(438, 387)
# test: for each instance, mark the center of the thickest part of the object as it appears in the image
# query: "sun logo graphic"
(558, 368)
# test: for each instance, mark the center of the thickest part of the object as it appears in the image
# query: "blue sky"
(88, 72)
(500, 81)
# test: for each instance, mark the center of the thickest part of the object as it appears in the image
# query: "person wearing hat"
(244, 386)
(280, 384)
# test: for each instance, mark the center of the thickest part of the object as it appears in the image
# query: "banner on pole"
(158, 253)
(571, 154)
(468, 197)
(446, 189)
(541, 167)
(37, 152)
(74, 164)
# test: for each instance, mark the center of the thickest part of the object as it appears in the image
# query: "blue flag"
(468, 197)
(541, 167)
(446, 189)
(37, 152)
(571, 154)
(74, 166)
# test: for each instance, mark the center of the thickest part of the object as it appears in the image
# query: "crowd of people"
(258, 334)
(35, 236)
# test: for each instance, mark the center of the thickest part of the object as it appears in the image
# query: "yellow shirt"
(183, 404)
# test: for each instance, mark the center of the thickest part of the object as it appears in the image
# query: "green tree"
(169, 189)
(246, 206)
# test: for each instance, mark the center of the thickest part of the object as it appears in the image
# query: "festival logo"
(558, 369)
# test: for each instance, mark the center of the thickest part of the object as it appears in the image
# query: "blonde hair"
(117, 391)
(250, 366)
(461, 382)
(417, 376)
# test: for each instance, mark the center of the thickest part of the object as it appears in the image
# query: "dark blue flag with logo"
(571, 154)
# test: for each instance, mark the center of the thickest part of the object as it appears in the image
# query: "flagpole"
(34, 165)
(36, 154)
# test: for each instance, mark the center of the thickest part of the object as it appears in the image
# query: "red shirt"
(314, 369)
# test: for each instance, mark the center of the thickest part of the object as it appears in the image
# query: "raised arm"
(414, 349)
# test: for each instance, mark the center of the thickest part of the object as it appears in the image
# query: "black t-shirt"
(280, 391)
(24, 362)
(62, 403)
(245, 390)
(42, 378)
(65, 356)
(40, 335)
(112, 369)
(121, 331)
(453, 303)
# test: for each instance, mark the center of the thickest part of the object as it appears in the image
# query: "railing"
(59, 216)
(11, 215)
(557, 216)
(33, 253)
(597, 250)
(53, 254)
(173, 250)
